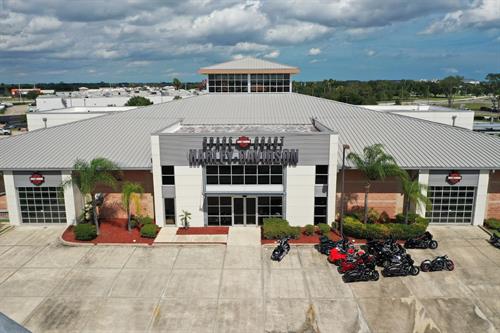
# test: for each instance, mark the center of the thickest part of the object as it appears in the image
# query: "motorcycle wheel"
(425, 267)
(346, 279)
(433, 245)
(384, 273)
(375, 276)
(407, 245)
(450, 265)
(339, 269)
(414, 270)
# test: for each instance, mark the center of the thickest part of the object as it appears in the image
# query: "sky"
(157, 40)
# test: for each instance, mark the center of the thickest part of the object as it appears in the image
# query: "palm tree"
(86, 177)
(413, 192)
(375, 164)
(130, 190)
(177, 83)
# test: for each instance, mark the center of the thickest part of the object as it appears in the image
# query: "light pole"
(341, 222)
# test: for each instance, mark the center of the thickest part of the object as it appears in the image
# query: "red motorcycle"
(354, 261)
(340, 252)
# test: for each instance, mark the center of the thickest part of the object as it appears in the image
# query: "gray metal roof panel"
(249, 63)
(125, 137)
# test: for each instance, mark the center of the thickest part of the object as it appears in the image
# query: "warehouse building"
(247, 150)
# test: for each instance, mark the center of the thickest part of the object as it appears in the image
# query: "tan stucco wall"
(493, 204)
(384, 195)
(112, 207)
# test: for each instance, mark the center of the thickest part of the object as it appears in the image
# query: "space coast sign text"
(243, 150)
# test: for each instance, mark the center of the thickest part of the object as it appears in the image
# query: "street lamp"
(341, 222)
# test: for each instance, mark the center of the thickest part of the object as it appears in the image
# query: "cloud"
(370, 53)
(249, 47)
(296, 32)
(272, 54)
(314, 51)
(450, 70)
(483, 14)
(43, 24)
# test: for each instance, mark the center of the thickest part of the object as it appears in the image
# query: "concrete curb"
(66, 243)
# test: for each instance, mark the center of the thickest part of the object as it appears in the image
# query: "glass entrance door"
(244, 211)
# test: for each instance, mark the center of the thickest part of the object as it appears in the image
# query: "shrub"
(324, 228)
(145, 220)
(384, 217)
(149, 230)
(355, 228)
(492, 224)
(85, 232)
(276, 228)
(359, 213)
(400, 218)
(309, 230)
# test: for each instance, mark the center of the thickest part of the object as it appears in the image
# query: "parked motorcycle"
(340, 252)
(403, 267)
(354, 261)
(361, 273)
(385, 251)
(423, 241)
(437, 264)
(281, 250)
(495, 241)
(326, 244)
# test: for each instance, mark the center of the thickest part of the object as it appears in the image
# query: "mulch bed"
(203, 231)
(313, 239)
(111, 231)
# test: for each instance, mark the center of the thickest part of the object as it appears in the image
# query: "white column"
(332, 178)
(300, 195)
(69, 198)
(481, 197)
(188, 194)
(248, 82)
(423, 178)
(157, 182)
(12, 198)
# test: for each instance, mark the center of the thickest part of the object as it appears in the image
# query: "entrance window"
(321, 175)
(244, 174)
(451, 204)
(42, 204)
(269, 207)
(219, 210)
(169, 211)
(320, 205)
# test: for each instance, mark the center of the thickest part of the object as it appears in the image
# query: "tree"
(413, 192)
(87, 175)
(450, 86)
(32, 95)
(131, 191)
(185, 217)
(493, 84)
(375, 164)
(138, 101)
(177, 83)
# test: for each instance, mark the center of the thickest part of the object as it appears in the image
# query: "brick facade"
(493, 204)
(385, 196)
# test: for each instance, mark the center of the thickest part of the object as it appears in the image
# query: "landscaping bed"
(303, 238)
(111, 231)
(203, 231)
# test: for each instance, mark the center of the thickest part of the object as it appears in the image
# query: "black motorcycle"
(386, 252)
(403, 267)
(281, 250)
(361, 273)
(423, 241)
(495, 241)
(326, 244)
(437, 264)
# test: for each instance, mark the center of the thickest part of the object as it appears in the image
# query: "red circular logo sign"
(243, 142)
(37, 179)
(454, 178)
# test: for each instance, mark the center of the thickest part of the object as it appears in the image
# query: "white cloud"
(314, 51)
(370, 53)
(450, 70)
(139, 63)
(296, 32)
(249, 47)
(483, 14)
(238, 56)
(106, 54)
(43, 24)
(272, 54)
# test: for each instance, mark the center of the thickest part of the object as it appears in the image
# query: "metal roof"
(249, 64)
(125, 137)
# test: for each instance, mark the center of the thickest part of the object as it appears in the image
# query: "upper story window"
(321, 175)
(228, 82)
(244, 174)
(270, 82)
(167, 175)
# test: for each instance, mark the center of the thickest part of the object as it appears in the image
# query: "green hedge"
(276, 228)
(355, 228)
(324, 228)
(412, 218)
(85, 232)
(309, 230)
(492, 224)
(149, 230)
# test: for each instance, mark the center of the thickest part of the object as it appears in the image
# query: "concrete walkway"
(168, 235)
(243, 236)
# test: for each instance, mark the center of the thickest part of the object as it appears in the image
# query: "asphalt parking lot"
(49, 287)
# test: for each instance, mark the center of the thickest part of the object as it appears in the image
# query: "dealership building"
(249, 149)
